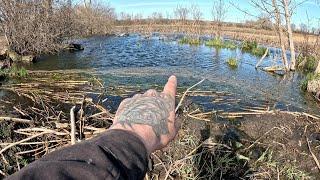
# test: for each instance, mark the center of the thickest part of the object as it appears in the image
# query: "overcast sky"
(147, 7)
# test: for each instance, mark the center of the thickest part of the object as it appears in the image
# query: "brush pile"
(38, 116)
(51, 110)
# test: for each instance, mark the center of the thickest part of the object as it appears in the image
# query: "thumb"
(171, 87)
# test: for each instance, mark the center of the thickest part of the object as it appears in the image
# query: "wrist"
(143, 132)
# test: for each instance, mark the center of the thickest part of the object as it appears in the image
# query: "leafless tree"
(218, 12)
(94, 19)
(288, 14)
(196, 17)
(35, 26)
(181, 13)
(42, 26)
(279, 30)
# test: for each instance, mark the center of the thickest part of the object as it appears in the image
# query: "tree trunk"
(290, 36)
(280, 34)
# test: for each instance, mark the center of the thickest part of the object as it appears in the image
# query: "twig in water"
(260, 61)
(73, 126)
(185, 93)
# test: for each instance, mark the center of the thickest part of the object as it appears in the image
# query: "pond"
(134, 60)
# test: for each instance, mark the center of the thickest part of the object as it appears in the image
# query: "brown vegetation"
(268, 144)
(42, 26)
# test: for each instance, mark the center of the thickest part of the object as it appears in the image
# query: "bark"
(290, 35)
(280, 34)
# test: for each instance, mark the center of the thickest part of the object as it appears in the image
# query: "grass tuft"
(309, 77)
(253, 48)
(191, 41)
(14, 72)
(219, 43)
(232, 62)
(307, 63)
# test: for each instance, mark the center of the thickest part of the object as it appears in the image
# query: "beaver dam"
(238, 123)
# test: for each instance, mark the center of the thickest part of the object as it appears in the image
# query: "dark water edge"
(147, 63)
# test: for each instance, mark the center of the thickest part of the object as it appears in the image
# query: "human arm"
(143, 124)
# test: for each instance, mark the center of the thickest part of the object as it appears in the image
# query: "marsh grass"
(219, 43)
(19, 72)
(232, 62)
(253, 48)
(307, 63)
(309, 77)
(191, 41)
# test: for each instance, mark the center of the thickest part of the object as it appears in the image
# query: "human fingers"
(171, 87)
(151, 92)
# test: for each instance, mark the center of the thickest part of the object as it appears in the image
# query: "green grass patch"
(14, 72)
(232, 62)
(191, 41)
(253, 48)
(307, 63)
(219, 43)
(309, 77)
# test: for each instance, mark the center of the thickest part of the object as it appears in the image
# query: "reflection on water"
(134, 60)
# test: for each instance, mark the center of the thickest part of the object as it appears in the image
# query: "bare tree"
(279, 30)
(35, 26)
(288, 15)
(94, 19)
(218, 12)
(196, 17)
(273, 11)
(181, 13)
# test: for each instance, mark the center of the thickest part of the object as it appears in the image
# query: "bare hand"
(150, 115)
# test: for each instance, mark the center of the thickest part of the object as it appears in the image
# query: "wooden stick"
(313, 156)
(41, 130)
(29, 151)
(201, 119)
(17, 120)
(260, 61)
(185, 93)
(310, 115)
(73, 126)
(23, 140)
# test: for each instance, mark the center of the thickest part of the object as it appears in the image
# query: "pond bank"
(257, 144)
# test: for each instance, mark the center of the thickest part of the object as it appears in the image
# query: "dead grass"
(255, 143)
(262, 36)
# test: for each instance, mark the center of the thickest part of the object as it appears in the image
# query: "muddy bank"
(252, 143)
(266, 146)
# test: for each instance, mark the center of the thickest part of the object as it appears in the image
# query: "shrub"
(14, 72)
(252, 47)
(42, 26)
(248, 46)
(232, 62)
(259, 51)
(309, 77)
(307, 63)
